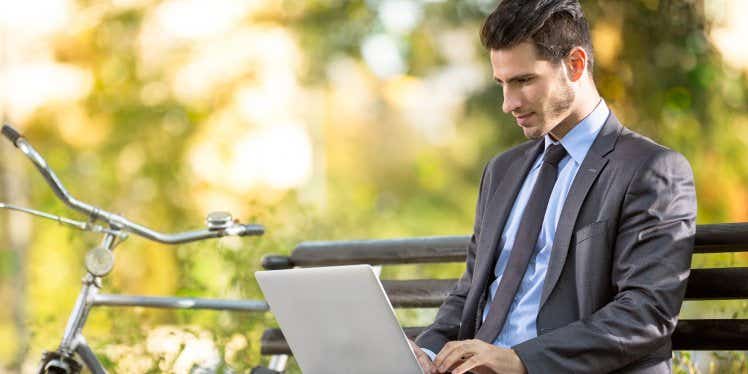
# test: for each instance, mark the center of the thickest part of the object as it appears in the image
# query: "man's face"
(538, 93)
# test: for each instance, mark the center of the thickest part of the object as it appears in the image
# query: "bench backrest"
(704, 284)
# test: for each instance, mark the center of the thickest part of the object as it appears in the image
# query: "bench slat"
(418, 293)
(691, 335)
(718, 284)
(711, 335)
(714, 238)
(274, 343)
(382, 252)
(721, 237)
(703, 284)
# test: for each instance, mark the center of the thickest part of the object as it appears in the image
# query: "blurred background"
(320, 119)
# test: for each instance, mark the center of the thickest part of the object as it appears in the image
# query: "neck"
(586, 102)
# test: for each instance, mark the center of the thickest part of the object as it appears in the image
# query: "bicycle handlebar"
(114, 220)
(251, 230)
(11, 134)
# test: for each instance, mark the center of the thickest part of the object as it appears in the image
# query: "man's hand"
(477, 356)
(423, 358)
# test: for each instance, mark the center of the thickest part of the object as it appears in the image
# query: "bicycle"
(99, 262)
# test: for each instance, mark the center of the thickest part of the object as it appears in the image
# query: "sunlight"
(278, 156)
(198, 19)
(34, 17)
(29, 86)
(400, 16)
(730, 30)
(382, 53)
(260, 50)
(29, 76)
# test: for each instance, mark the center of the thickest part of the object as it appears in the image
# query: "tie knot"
(554, 154)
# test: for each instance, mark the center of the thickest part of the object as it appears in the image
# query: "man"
(583, 235)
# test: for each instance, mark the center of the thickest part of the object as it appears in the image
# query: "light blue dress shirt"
(520, 323)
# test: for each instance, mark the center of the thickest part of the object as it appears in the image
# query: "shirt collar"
(580, 138)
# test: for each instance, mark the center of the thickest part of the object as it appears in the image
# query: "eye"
(524, 80)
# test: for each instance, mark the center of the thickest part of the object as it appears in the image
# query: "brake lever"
(80, 225)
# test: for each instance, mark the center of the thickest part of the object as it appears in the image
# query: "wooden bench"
(690, 334)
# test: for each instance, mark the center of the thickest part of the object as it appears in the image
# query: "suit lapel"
(588, 172)
(498, 209)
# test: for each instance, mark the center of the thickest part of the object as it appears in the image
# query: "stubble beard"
(563, 102)
(554, 112)
(557, 109)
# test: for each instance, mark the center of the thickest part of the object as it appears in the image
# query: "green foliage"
(129, 146)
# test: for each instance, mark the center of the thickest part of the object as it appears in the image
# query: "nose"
(511, 101)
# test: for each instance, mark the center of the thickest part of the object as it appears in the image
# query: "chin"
(532, 133)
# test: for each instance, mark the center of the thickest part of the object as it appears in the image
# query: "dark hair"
(554, 26)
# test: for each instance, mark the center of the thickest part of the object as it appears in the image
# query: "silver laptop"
(338, 320)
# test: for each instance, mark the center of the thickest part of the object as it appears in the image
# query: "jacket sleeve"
(651, 264)
(446, 325)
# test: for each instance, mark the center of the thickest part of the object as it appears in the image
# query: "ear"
(576, 63)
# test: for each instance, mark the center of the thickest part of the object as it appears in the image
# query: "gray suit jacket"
(619, 264)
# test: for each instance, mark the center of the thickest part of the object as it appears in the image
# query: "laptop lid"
(338, 320)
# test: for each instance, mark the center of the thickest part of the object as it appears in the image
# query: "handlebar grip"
(252, 230)
(11, 133)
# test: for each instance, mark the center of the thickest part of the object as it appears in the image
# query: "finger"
(446, 351)
(425, 363)
(457, 351)
(467, 365)
(423, 359)
(418, 351)
(455, 357)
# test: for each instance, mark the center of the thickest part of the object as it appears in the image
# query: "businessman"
(583, 235)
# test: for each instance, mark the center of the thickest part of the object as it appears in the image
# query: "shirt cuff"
(428, 352)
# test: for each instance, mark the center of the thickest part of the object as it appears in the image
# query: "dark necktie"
(524, 245)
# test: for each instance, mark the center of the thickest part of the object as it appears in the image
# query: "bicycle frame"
(117, 227)
(73, 341)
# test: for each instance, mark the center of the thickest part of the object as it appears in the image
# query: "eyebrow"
(515, 78)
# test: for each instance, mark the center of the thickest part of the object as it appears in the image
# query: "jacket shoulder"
(631, 142)
(637, 157)
(502, 160)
